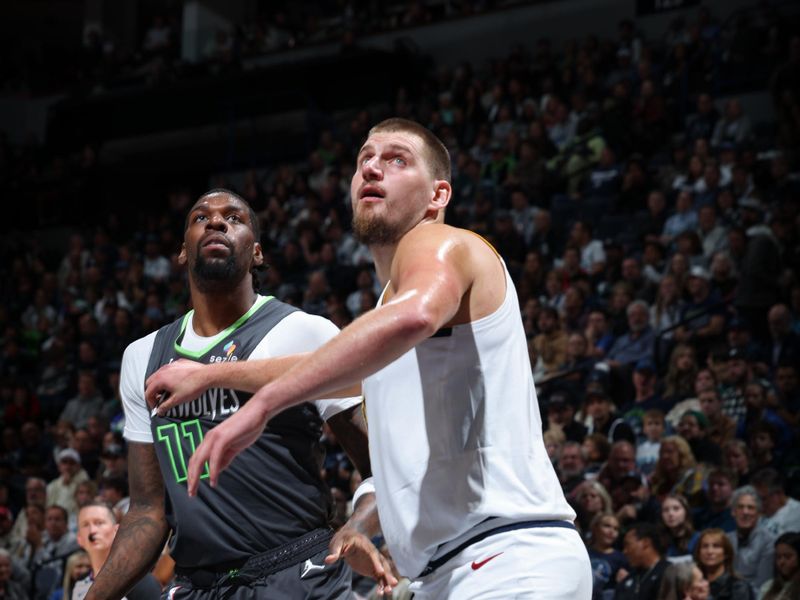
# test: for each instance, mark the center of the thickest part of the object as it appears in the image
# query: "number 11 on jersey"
(170, 435)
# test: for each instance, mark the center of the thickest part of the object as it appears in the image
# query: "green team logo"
(170, 435)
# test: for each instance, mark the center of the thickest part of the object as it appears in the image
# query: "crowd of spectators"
(651, 230)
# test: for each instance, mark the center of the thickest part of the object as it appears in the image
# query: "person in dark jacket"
(714, 555)
(643, 547)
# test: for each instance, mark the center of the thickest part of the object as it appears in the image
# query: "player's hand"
(173, 384)
(222, 443)
(363, 557)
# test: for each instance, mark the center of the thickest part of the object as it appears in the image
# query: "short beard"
(217, 273)
(374, 232)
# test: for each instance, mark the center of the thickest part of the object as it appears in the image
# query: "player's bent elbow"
(420, 323)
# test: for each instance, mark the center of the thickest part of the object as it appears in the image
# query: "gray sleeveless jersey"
(272, 492)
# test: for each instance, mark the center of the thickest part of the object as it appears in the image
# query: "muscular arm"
(142, 532)
(431, 274)
(185, 380)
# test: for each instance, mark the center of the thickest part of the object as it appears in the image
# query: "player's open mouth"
(372, 193)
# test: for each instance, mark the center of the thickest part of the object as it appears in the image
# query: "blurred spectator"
(35, 495)
(551, 343)
(753, 545)
(734, 126)
(598, 334)
(570, 466)
(61, 491)
(643, 548)
(714, 555)
(592, 255)
(721, 428)
(88, 402)
(609, 565)
(648, 447)
(785, 584)
(76, 568)
(10, 590)
(693, 427)
(716, 513)
(560, 413)
(781, 513)
(639, 341)
(676, 471)
(712, 234)
(784, 342)
(50, 550)
(702, 123)
(676, 517)
(645, 396)
(684, 581)
(679, 380)
(702, 319)
(684, 218)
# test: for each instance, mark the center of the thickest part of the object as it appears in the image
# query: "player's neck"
(215, 311)
(383, 256)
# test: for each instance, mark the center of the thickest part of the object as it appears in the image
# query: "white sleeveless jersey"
(456, 438)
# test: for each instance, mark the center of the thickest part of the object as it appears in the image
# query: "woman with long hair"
(679, 381)
(591, 498)
(676, 471)
(714, 555)
(77, 567)
(666, 312)
(609, 565)
(785, 585)
(737, 457)
(684, 581)
(676, 516)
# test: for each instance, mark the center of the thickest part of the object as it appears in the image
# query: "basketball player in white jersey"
(469, 503)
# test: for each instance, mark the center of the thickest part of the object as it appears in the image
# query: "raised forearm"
(251, 375)
(370, 343)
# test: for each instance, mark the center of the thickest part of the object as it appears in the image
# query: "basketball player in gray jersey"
(263, 531)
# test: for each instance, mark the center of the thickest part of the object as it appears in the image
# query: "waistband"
(259, 565)
(441, 560)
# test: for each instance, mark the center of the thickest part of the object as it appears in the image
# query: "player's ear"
(258, 255)
(182, 256)
(442, 192)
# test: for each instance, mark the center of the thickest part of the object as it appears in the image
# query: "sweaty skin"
(219, 234)
(437, 276)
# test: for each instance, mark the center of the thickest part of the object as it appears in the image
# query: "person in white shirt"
(469, 502)
(781, 513)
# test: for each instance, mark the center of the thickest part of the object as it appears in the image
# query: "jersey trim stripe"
(260, 301)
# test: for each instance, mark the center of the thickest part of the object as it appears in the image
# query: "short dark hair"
(60, 509)
(254, 222)
(649, 531)
(115, 482)
(769, 478)
(438, 156)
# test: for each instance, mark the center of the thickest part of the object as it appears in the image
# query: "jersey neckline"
(260, 301)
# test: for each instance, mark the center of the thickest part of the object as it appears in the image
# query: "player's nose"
(217, 222)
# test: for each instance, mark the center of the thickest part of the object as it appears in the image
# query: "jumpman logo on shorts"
(308, 566)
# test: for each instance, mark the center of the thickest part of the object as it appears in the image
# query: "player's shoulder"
(301, 320)
(143, 345)
(296, 332)
(440, 234)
